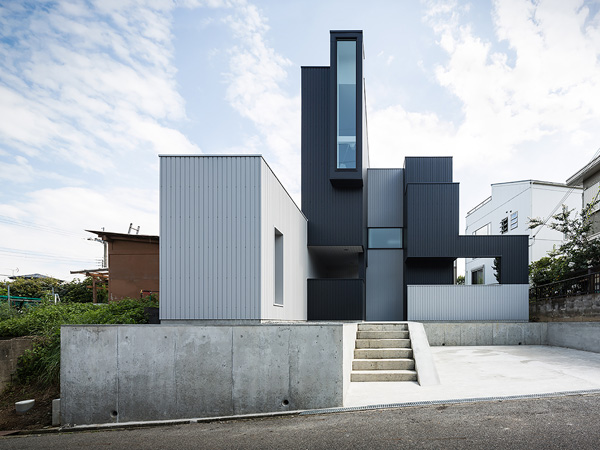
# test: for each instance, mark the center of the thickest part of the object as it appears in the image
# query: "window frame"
(385, 248)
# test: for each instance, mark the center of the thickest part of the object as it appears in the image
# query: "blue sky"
(91, 93)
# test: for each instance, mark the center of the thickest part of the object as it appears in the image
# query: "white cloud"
(88, 98)
(531, 111)
(255, 78)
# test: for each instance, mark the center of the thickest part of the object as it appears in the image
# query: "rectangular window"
(278, 268)
(504, 225)
(484, 230)
(514, 220)
(385, 237)
(346, 104)
(477, 276)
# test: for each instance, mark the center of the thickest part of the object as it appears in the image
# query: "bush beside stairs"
(383, 353)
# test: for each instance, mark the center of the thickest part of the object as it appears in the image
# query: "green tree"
(497, 269)
(575, 255)
(460, 279)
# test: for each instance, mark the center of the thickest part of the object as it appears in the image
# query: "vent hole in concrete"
(443, 343)
(519, 343)
(114, 414)
(285, 402)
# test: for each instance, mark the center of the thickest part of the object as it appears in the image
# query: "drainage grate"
(447, 402)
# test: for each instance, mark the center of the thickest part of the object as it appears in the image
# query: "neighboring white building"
(588, 178)
(508, 211)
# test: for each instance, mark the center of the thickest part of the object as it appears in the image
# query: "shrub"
(42, 363)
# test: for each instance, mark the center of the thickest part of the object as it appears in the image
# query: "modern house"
(367, 244)
(507, 212)
(588, 178)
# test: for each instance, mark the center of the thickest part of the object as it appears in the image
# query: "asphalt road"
(549, 423)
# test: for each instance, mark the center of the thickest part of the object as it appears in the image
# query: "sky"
(91, 92)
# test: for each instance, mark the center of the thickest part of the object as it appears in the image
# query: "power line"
(40, 256)
(46, 228)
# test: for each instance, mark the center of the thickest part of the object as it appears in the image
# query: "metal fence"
(581, 285)
(495, 302)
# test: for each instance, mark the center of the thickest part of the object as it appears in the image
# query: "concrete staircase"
(383, 353)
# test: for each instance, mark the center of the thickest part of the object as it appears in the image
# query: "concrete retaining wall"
(10, 350)
(582, 308)
(577, 335)
(121, 373)
(485, 333)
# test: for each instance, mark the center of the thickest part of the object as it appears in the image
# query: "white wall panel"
(463, 303)
(210, 237)
(279, 211)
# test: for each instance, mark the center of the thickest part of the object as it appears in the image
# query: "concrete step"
(385, 353)
(382, 335)
(383, 364)
(382, 327)
(383, 343)
(383, 375)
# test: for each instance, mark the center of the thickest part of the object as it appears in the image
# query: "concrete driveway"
(492, 371)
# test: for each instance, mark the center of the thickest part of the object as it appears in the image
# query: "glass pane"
(385, 237)
(346, 107)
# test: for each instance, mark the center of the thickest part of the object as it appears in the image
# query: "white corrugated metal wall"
(470, 303)
(279, 211)
(210, 237)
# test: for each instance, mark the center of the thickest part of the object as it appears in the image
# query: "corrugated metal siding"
(429, 271)
(437, 169)
(209, 237)
(279, 211)
(469, 303)
(386, 197)
(336, 299)
(432, 219)
(335, 215)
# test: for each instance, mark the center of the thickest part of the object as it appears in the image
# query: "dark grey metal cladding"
(385, 285)
(431, 219)
(385, 198)
(429, 271)
(335, 299)
(513, 252)
(346, 177)
(335, 215)
(424, 169)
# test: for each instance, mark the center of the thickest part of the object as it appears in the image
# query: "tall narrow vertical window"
(346, 104)
(278, 268)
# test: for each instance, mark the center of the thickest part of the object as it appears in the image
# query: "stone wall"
(581, 308)
(10, 350)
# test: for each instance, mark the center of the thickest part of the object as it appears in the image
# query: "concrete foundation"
(121, 373)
